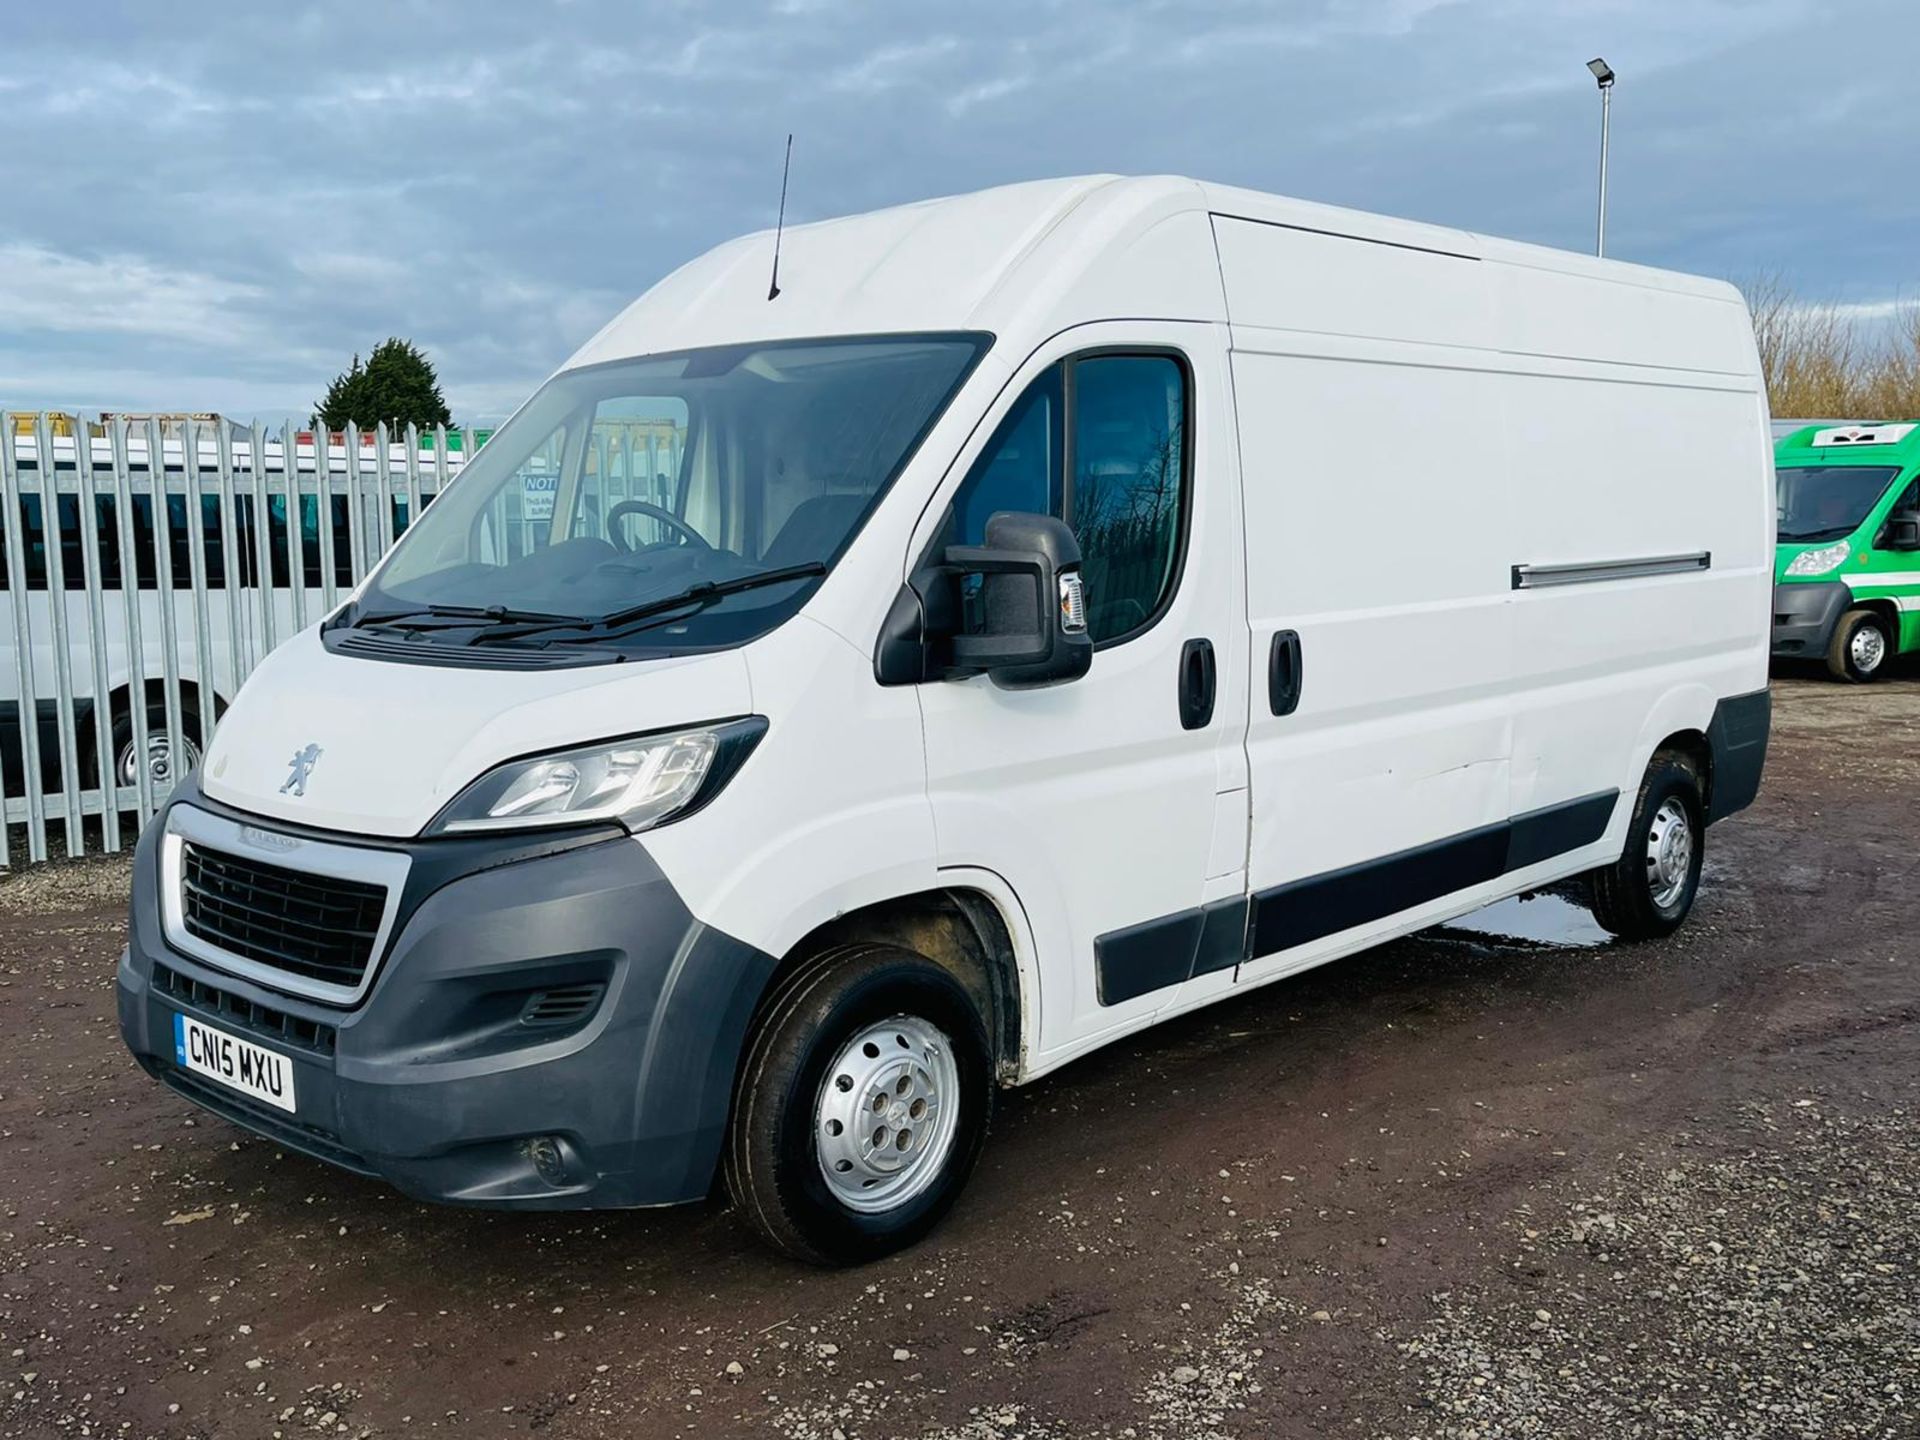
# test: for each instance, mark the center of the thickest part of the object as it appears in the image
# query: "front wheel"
(1862, 645)
(861, 1107)
(154, 752)
(1650, 889)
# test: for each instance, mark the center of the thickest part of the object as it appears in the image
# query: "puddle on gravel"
(1537, 919)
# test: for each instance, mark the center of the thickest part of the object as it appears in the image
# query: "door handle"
(1196, 684)
(1284, 672)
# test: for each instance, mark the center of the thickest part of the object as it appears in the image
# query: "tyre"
(164, 768)
(861, 1107)
(1862, 645)
(1647, 892)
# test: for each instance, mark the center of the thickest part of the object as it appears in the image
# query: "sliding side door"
(1378, 586)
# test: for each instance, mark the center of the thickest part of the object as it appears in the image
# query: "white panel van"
(1072, 604)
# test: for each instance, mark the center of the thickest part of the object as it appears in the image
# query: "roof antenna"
(773, 285)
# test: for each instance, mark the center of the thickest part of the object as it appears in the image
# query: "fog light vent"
(562, 1005)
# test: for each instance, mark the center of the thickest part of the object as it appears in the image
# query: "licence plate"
(238, 1064)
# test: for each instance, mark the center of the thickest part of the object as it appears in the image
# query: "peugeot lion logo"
(303, 763)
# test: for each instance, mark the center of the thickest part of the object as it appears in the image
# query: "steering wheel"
(652, 511)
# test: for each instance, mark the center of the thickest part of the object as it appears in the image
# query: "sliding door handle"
(1285, 673)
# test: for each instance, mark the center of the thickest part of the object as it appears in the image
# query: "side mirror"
(1903, 531)
(1027, 626)
(1013, 609)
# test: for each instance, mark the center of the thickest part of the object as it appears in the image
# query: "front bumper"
(1805, 614)
(436, 1082)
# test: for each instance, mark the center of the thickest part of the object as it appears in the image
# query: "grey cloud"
(213, 206)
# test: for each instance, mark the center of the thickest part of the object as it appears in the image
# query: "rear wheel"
(1650, 889)
(1862, 645)
(861, 1108)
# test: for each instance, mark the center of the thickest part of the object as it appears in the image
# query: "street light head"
(1602, 71)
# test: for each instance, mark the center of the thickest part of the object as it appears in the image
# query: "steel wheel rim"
(158, 753)
(1867, 648)
(888, 1111)
(1669, 853)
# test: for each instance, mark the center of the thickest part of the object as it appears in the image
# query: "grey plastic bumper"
(437, 1084)
(1804, 617)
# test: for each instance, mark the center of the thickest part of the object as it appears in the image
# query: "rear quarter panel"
(1657, 445)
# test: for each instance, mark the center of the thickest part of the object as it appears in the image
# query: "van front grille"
(316, 926)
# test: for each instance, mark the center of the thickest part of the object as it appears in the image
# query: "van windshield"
(1825, 502)
(688, 500)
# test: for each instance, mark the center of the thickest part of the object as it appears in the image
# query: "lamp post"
(1603, 76)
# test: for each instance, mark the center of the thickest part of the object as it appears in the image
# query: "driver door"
(1114, 805)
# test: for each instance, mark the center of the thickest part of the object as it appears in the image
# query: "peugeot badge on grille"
(302, 763)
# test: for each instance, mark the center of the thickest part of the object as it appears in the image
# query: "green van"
(1847, 569)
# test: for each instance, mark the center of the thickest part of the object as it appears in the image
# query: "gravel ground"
(1481, 1183)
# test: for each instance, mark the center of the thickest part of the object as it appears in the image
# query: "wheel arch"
(1886, 608)
(1682, 718)
(1697, 748)
(120, 701)
(962, 926)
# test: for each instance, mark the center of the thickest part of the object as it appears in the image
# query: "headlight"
(1819, 562)
(641, 782)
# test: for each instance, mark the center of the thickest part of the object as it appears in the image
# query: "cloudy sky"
(214, 205)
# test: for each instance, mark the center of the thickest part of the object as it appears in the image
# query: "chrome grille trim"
(187, 824)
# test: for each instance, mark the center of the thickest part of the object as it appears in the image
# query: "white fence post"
(87, 657)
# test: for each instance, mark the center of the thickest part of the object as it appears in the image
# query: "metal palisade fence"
(148, 566)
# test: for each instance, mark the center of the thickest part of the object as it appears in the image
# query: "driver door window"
(1101, 442)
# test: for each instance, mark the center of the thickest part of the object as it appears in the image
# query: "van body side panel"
(1420, 430)
(1374, 535)
(1617, 470)
(1878, 573)
(1615, 317)
(1400, 602)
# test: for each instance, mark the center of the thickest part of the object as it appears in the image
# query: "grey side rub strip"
(1540, 577)
(1173, 948)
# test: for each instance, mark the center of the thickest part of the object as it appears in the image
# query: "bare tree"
(1822, 360)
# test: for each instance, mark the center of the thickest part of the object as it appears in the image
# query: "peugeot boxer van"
(1848, 571)
(1073, 604)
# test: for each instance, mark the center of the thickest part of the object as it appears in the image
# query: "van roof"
(1036, 257)
(1830, 442)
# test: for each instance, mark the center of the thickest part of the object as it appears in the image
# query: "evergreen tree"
(396, 385)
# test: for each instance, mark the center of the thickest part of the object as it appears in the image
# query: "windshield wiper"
(459, 616)
(701, 595)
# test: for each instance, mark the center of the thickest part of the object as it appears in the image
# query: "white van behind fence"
(78, 772)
